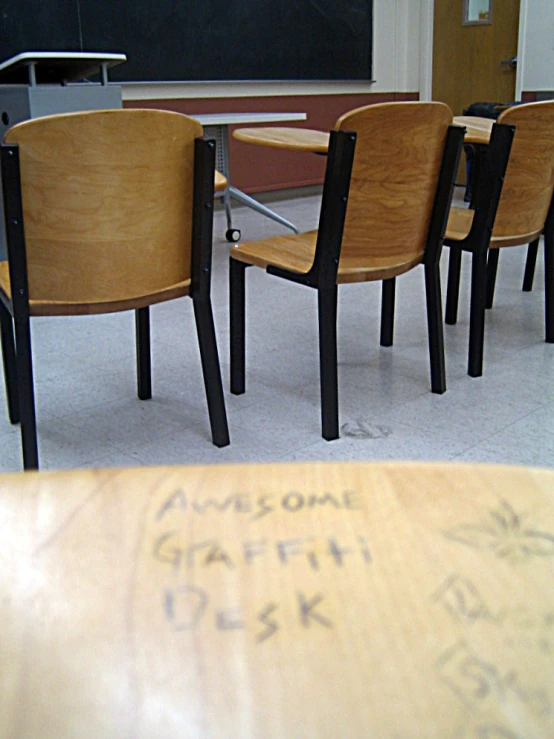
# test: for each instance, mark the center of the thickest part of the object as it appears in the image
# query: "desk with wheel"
(217, 126)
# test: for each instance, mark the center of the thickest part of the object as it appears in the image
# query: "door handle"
(509, 62)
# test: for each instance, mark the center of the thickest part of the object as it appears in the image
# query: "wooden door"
(467, 59)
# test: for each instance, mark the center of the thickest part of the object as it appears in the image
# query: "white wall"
(536, 46)
(396, 64)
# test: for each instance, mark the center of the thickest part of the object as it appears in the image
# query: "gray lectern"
(39, 83)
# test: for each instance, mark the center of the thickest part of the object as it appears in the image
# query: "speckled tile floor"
(88, 413)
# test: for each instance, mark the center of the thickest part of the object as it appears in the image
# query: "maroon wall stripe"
(259, 169)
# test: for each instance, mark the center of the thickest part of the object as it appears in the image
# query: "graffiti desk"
(294, 600)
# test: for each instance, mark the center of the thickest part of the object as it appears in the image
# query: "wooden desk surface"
(478, 130)
(292, 139)
(313, 600)
(317, 142)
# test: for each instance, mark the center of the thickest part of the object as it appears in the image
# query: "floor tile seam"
(250, 431)
(542, 342)
(525, 415)
(135, 452)
(394, 405)
(174, 428)
(490, 437)
(286, 457)
(450, 427)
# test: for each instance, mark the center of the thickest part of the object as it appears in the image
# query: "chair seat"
(459, 225)
(220, 181)
(296, 252)
(55, 308)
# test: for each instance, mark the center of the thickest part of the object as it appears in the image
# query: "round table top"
(293, 139)
(294, 600)
(478, 131)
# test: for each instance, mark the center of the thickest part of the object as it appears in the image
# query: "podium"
(39, 83)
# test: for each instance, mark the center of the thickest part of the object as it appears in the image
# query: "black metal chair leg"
(24, 364)
(492, 269)
(211, 370)
(453, 289)
(477, 314)
(237, 327)
(387, 311)
(549, 284)
(144, 363)
(9, 360)
(530, 264)
(327, 312)
(435, 329)
(479, 154)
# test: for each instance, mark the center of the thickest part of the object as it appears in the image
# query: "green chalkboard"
(208, 40)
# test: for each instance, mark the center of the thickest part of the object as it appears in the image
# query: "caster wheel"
(232, 235)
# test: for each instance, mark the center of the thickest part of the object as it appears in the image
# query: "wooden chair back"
(529, 182)
(107, 203)
(399, 150)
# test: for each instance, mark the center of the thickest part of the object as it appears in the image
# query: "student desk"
(280, 600)
(217, 126)
(478, 131)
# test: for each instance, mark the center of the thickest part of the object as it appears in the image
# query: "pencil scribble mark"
(69, 519)
(505, 533)
(361, 429)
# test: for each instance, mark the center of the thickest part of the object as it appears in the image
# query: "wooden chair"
(511, 210)
(278, 601)
(105, 211)
(389, 219)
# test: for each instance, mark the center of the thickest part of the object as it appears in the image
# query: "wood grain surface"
(107, 205)
(291, 139)
(478, 130)
(529, 181)
(528, 185)
(399, 149)
(297, 251)
(308, 600)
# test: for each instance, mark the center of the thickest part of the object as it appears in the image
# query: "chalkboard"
(206, 40)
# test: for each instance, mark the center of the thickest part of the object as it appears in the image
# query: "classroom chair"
(511, 209)
(105, 211)
(387, 191)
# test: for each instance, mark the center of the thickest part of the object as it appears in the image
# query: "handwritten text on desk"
(258, 506)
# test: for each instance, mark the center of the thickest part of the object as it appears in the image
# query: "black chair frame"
(528, 275)
(486, 201)
(14, 313)
(322, 276)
